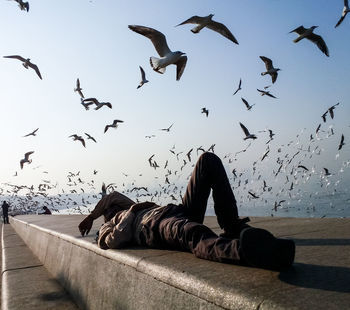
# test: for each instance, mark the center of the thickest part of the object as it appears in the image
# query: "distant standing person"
(46, 211)
(5, 212)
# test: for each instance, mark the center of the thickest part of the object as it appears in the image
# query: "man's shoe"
(259, 248)
(234, 231)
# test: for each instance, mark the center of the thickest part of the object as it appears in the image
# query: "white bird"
(167, 57)
(26, 63)
(26, 159)
(345, 11)
(247, 104)
(79, 89)
(248, 135)
(308, 34)
(269, 68)
(98, 104)
(114, 124)
(207, 21)
(143, 78)
(79, 138)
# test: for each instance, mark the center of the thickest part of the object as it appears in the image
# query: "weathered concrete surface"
(26, 284)
(139, 278)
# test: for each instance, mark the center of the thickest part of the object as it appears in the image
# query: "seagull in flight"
(79, 89)
(33, 133)
(79, 138)
(26, 159)
(143, 78)
(331, 112)
(167, 57)
(98, 104)
(90, 137)
(113, 125)
(247, 104)
(345, 11)
(239, 87)
(24, 6)
(26, 63)
(269, 68)
(265, 92)
(167, 129)
(314, 38)
(207, 21)
(341, 143)
(248, 135)
(205, 111)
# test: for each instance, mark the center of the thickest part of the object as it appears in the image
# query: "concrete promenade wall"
(138, 278)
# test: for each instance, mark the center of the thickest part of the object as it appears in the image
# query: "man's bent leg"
(209, 173)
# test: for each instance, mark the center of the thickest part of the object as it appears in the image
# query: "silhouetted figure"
(46, 210)
(180, 227)
(5, 212)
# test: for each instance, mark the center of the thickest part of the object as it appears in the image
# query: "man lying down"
(180, 227)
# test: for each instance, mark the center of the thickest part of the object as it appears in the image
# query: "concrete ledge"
(26, 284)
(159, 279)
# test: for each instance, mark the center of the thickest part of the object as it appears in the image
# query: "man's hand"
(86, 225)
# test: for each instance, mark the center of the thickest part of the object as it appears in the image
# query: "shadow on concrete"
(308, 242)
(328, 278)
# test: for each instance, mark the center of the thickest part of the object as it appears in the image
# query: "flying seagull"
(269, 68)
(167, 57)
(331, 112)
(79, 89)
(90, 137)
(341, 142)
(143, 78)
(167, 129)
(33, 133)
(207, 21)
(26, 63)
(248, 135)
(308, 34)
(26, 159)
(113, 125)
(345, 11)
(98, 104)
(265, 92)
(79, 138)
(239, 87)
(86, 104)
(24, 6)
(205, 111)
(247, 104)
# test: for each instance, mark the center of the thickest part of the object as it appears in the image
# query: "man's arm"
(118, 232)
(106, 202)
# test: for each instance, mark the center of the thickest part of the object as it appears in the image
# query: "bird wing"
(116, 121)
(78, 83)
(16, 57)
(245, 102)
(80, 93)
(245, 130)
(270, 95)
(299, 30)
(91, 100)
(36, 69)
(321, 44)
(274, 77)
(192, 20)
(180, 67)
(143, 75)
(158, 39)
(223, 30)
(35, 131)
(267, 61)
(26, 155)
(340, 21)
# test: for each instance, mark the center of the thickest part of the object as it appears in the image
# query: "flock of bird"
(289, 162)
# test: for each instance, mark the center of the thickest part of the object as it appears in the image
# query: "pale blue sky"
(91, 40)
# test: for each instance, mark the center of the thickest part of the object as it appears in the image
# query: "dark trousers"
(181, 227)
(5, 217)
